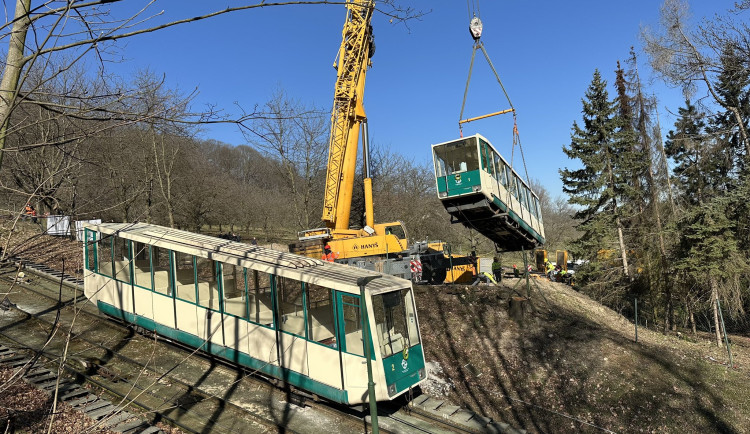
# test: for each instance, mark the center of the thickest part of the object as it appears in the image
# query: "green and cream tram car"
(290, 317)
(479, 189)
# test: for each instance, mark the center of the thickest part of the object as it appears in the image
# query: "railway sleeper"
(41, 377)
(12, 359)
(63, 384)
(74, 393)
(132, 426)
(18, 363)
(36, 370)
(95, 405)
(77, 402)
(117, 419)
(48, 386)
(102, 412)
(459, 417)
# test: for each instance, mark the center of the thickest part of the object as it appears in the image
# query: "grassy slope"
(573, 357)
(570, 357)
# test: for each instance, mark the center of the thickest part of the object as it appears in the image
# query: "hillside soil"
(571, 365)
(564, 363)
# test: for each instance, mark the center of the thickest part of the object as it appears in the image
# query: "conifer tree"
(631, 161)
(708, 255)
(651, 222)
(687, 146)
(600, 183)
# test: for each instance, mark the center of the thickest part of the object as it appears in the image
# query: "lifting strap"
(475, 28)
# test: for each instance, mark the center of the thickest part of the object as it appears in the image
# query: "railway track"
(172, 384)
(109, 415)
(176, 385)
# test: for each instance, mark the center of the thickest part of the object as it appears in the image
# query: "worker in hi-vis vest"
(497, 269)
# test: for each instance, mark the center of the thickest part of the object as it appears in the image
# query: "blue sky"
(545, 53)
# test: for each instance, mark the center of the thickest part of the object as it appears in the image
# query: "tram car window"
(320, 311)
(291, 301)
(395, 322)
(161, 270)
(121, 249)
(104, 255)
(234, 295)
(207, 288)
(261, 305)
(185, 276)
(353, 343)
(457, 158)
(90, 253)
(142, 266)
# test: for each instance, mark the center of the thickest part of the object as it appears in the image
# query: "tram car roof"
(310, 270)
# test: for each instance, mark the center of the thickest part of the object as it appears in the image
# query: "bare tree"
(295, 136)
(688, 58)
(82, 29)
(557, 216)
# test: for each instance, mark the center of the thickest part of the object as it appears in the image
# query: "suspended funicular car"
(479, 189)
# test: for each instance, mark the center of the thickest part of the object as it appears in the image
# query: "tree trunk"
(149, 202)
(668, 310)
(623, 250)
(665, 162)
(692, 318)
(715, 308)
(14, 63)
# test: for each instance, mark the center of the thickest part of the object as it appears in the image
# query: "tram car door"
(350, 336)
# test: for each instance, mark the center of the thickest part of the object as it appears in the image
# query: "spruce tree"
(631, 159)
(688, 147)
(597, 187)
(733, 87)
(649, 231)
(708, 255)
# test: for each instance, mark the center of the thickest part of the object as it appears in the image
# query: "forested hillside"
(666, 221)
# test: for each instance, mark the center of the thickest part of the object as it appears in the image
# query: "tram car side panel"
(304, 328)
(166, 308)
(494, 190)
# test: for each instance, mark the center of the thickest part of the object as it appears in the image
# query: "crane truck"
(382, 247)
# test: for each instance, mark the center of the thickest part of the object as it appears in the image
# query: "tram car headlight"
(422, 374)
(443, 194)
(391, 389)
(476, 188)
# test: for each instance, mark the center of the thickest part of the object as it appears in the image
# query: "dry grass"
(27, 240)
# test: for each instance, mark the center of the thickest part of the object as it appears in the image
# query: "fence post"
(636, 319)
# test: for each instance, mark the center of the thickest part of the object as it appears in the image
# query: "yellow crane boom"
(347, 115)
